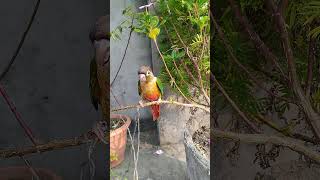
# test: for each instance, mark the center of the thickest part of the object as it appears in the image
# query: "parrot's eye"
(148, 73)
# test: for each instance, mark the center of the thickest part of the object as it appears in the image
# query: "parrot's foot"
(141, 103)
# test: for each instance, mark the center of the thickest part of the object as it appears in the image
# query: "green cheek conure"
(150, 88)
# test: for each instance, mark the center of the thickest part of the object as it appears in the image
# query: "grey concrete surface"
(125, 87)
(49, 81)
(151, 166)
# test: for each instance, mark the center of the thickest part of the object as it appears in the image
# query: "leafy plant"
(182, 29)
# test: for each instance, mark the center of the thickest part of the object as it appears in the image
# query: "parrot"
(150, 88)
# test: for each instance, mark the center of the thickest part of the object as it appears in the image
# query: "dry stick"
(22, 123)
(162, 102)
(52, 145)
(290, 143)
(21, 41)
(233, 104)
(311, 60)
(254, 37)
(312, 116)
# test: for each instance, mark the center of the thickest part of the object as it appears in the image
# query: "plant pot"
(22, 172)
(198, 166)
(118, 140)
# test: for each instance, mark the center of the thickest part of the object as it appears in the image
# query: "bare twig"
(290, 143)
(236, 108)
(162, 102)
(6, 70)
(22, 123)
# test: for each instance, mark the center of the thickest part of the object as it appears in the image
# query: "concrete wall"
(125, 87)
(49, 81)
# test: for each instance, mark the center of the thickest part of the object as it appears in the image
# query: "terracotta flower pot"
(118, 140)
(22, 172)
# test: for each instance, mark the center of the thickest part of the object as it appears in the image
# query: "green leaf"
(315, 32)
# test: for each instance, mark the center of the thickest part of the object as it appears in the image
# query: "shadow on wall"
(49, 81)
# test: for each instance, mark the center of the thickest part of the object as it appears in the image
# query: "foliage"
(301, 18)
(175, 21)
(189, 20)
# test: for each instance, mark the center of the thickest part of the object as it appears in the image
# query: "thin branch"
(32, 170)
(287, 133)
(237, 62)
(290, 143)
(124, 54)
(6, 70)
(311, 61)
(235, 107)
(162, 102)
(312, 116)
(194, 63)
(255, 38)
(22, 123)
(168, 71)
(52, 145)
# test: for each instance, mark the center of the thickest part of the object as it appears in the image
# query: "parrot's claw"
(141, 103)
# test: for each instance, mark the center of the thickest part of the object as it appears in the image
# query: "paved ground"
(167, 166)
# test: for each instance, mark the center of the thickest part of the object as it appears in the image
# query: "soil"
(201, 138)
(116, 123)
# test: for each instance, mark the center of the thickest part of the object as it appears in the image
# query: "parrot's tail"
(155, 111)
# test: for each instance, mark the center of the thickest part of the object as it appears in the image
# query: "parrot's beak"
(142, 77)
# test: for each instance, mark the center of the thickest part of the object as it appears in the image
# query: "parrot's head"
(145, 73)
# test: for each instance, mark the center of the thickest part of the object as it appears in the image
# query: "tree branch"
(52, 145)
(163, 102)
(255, 38)
(236, 108)
(311, 61)
(290, 143)
(312, 116)
(22, 123)
(6, 70)
(238, 63)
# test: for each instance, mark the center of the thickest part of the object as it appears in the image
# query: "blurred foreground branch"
(52, 145)
(293, 144)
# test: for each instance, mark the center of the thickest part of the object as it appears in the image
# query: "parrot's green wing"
(160, 86)
(139, 88)
(94, 85)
